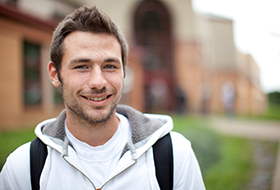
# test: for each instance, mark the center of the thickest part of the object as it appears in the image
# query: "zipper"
(107, 180)
(117, 174)
(79, 171)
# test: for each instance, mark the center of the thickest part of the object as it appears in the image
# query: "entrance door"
(152, 29)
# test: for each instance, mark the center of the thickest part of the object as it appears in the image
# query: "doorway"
(153, 33)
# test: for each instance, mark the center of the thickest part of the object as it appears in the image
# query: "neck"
(94, 134)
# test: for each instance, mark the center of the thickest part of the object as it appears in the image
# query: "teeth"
(97, 99)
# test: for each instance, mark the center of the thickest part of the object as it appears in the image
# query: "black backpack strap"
(38, 154)
(163, 157)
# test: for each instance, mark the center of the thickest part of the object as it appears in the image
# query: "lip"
(98, 100)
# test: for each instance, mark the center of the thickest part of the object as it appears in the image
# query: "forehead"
(91, 39)
(90, 46)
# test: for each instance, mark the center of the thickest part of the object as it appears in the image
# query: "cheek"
(71, 82)
(117, 82)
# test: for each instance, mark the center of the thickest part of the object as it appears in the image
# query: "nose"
(97, 79)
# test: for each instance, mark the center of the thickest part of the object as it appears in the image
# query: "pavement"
(252, 129)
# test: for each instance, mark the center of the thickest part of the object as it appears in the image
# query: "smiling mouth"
(97, 99)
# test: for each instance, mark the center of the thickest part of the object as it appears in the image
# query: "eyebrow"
(112, 59)
(88, 60)
(80, 60)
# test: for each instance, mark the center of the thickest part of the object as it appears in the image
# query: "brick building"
(175, 55)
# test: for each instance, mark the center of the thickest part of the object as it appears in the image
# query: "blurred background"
(187, 57)
(181, 59)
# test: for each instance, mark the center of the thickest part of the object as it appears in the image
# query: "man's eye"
(81, 67)
(109, 67)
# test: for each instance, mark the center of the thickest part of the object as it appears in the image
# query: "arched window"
(152, 31)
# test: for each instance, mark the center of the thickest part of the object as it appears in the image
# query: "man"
(95, 144)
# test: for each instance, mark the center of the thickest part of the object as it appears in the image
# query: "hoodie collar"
(141, 125)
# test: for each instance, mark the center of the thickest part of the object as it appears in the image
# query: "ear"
(53, 75)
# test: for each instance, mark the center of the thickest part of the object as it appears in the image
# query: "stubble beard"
(79, 111)
(101, 116)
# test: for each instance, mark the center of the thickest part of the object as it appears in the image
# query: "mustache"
(99, 91)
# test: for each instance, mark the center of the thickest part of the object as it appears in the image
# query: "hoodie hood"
(145, 128)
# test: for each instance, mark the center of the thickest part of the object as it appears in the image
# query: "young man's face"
(92, 75)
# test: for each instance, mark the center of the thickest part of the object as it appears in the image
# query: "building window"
(32, 86)
(12, 3)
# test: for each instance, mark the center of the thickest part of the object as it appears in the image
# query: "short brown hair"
(85, 19)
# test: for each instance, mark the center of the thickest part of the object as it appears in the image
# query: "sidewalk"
(256, 130)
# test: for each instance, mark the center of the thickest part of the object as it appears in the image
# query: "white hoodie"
(135, 169)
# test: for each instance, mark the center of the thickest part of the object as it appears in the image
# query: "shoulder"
(187, 174)
(182, 149)
(180, 143)
(16, 171)
(20, 155)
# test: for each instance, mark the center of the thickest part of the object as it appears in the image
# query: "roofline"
(18, 16)
(214, 17)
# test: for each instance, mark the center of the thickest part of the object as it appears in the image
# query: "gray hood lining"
(141, 126)
(56, 129)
